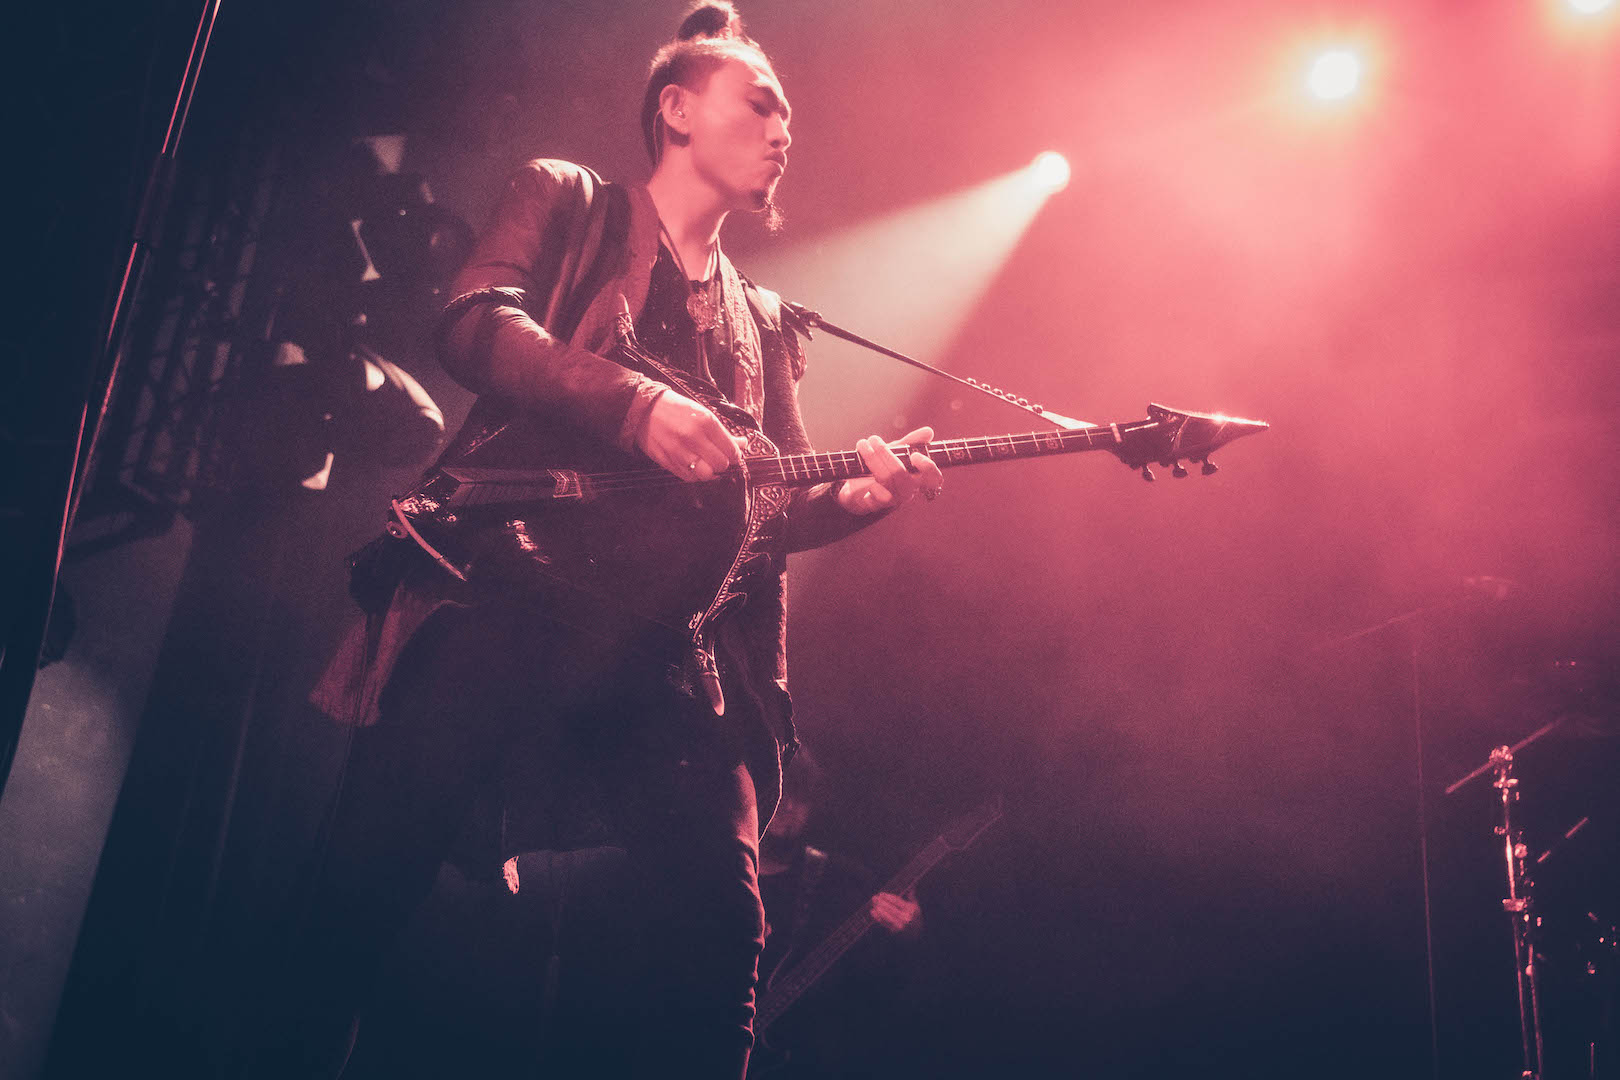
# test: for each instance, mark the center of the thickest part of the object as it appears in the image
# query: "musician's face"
(739, 132)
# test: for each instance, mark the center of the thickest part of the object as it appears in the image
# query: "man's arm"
(489, 341)
(827, 512)
(491, 344)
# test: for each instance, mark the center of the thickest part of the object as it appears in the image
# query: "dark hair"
(709, 35)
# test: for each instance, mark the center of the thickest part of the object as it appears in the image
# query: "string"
(814, 468)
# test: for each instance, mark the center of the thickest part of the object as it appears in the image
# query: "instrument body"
(602, 538)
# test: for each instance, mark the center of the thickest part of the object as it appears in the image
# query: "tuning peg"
(1147, 474)
(1210, 468)
(1179, 471)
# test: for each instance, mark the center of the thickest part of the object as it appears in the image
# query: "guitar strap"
(779, 329)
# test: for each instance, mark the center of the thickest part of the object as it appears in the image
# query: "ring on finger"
(692, 465)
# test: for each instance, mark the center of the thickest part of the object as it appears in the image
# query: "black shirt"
(666, 330)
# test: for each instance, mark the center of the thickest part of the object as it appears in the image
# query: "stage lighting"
(1590, 7)
(910, 279)
(1051, 170)
(1334, 74)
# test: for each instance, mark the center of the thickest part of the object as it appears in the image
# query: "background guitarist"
(441, 693)
(842, 1022)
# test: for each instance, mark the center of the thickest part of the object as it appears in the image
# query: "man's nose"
(780, 138)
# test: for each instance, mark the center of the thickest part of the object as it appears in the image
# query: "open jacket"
(537, 303)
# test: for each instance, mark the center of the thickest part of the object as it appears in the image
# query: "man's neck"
(691, 211)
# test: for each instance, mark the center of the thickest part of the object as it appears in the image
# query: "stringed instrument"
(793, 978)
(619, 533)
(786, 988)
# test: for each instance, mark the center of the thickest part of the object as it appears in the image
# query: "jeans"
(470, 685)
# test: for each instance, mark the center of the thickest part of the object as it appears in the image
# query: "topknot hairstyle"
(709, 35)
(711, 18)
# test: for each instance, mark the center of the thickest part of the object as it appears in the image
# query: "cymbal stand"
(1521, 913)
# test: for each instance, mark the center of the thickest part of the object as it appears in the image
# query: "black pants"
(472, 685)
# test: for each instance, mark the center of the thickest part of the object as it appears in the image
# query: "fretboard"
(806, 469)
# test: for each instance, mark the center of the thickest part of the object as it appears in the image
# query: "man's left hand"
(893, 482)
(897, 914)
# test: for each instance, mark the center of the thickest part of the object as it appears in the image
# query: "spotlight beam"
(910, 280)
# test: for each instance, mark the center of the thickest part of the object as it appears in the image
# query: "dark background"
(1210, 856)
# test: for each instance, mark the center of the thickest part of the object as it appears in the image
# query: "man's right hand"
(686, 438)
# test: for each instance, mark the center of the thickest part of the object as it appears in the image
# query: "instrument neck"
(798, 469)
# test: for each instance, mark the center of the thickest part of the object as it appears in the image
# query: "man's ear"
(672, 108)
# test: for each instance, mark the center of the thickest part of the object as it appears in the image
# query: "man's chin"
(764, 203)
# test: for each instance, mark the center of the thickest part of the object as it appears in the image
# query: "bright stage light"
(1334, 74)
(1590, 7)
(1050, 170)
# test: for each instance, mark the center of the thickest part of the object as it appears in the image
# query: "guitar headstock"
(966, 829)
(1169, 437)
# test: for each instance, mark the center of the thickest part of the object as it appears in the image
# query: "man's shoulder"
(781, 322)
(776, 312)
(551, 177)
(562, 172)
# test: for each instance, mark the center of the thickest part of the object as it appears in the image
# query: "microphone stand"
(1498, 589)
(1414, 618)
(1518, 903)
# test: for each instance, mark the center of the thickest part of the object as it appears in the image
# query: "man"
(680, 768)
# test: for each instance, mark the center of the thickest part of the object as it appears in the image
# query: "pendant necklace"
(700, 303)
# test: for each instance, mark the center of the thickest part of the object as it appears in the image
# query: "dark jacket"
(535, 307)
